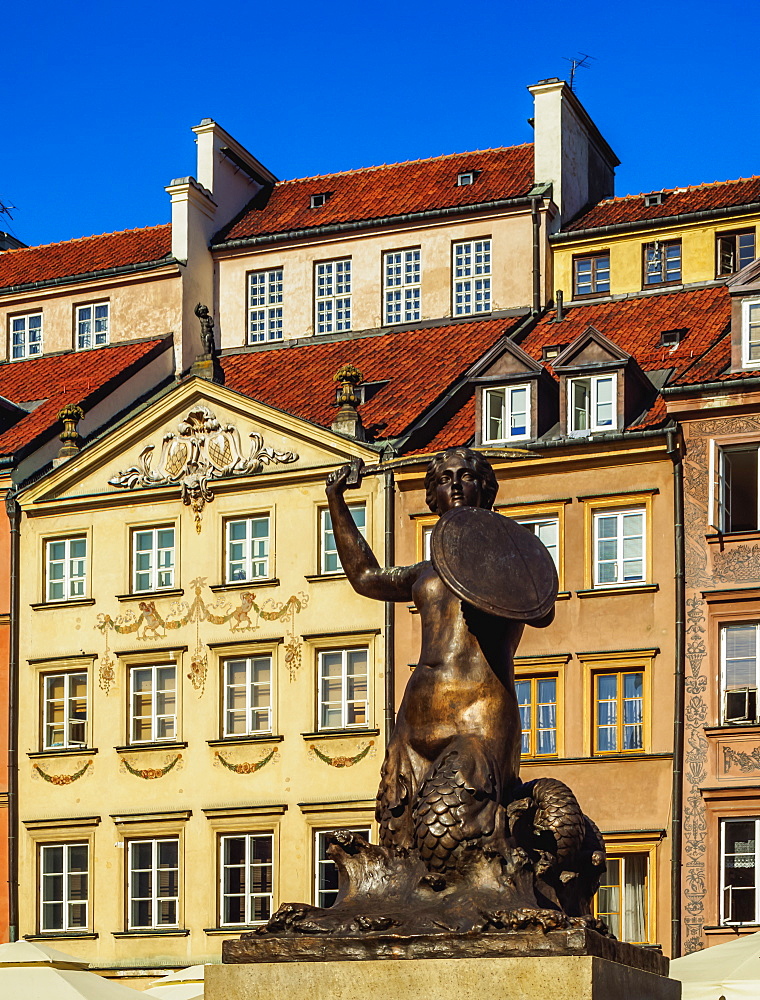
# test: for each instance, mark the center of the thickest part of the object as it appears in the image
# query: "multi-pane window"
(739, 870)
(247, 695)
(329, 561)
(735, 497)
(26, 336)
(153, 704)
(325, 869)
(153, 883)
(64, 710)
(265, 306)
(619, 712)
(591, 275)
(547, 530)
(662, 262)
(248, 548)
(401, 270)
(472, 277)
(623, 898)
(91, 326)
(592, 404)
(246, 878)
(64, 887)
(332, 293)
(343, 688)
(152, 559)
(65, 569)
(619, 547)
(734, 251)
(751, 333)
(506, 413)
(537, 698)
(740, 661)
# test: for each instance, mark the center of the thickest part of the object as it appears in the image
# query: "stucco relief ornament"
(201, 450)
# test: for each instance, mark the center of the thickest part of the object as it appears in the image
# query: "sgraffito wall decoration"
(747, 763)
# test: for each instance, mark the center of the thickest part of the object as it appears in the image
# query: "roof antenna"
(581, 61)
(6, 209)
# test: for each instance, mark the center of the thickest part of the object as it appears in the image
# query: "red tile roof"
(82, 256)
(677, 201)
(79, 378)
(389, 190)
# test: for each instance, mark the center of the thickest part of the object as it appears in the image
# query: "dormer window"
(671, 338)
(466, 178)
(655, 198)
(591, 404)
(506, 414)
(318, 200)
(751, 333)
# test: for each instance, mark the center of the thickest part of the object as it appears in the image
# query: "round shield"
(494, 563)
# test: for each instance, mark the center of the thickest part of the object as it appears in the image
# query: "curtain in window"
(634, 895)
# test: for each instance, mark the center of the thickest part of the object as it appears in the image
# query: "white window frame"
(593, 404)
(248, 864)
(507, 396)
(332, 296)
(750, 325)
(74, 578)
(402, 293)
(156, 718)
(321, 861)
(725, 891)
(253, 692)
(30, 336)
(68, 701)
(327, 547)
(720, 486)
(256, 555)
(466, 178)
(265, 299)
(471, 274)
(749, 718)
(155, 569)
(620, 538)
(540, 521)
(660, 276)
(155, 897)
(92, 331)
(323, 704)
(66, 875)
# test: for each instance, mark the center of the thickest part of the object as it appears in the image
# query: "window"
(734, 251)
(736, 488)
(591, 275)
(65, 569)
(64, 710)
(401, 270)
(619, 710)
(247, 875)
(153, 883)
(739, 661)
(333, 296)
(427, 535)
(466, 179)
(619, 547)
(248, 695)
(592, 404)
(662, 262)
(265, 306)
(547, 530)
(537, 698)
(739, 867)
(329, 561)
(153, 713)
(751, 333)
(506, 414)
(152, 559)
(325, 869)
(248, 549)
(343, 688)
(623, 898)
(64, 887)
(92, 326)
(318, 200)
(472, 277)
(26, 336)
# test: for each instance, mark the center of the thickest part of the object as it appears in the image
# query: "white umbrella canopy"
(35, 972)
(730, 970)
(187, 984)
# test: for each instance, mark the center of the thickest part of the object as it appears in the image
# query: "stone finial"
(71, 439)
(347, 420)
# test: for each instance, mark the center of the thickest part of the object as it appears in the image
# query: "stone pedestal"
(548, 977)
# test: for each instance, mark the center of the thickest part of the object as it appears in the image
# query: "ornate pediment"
(201, 449)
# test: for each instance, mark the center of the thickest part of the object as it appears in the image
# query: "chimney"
(71, 439)
(569, 151)
(347, 420)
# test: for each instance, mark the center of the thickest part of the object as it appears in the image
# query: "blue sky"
(99, 97)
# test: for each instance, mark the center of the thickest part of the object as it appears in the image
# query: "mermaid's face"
(457, 485)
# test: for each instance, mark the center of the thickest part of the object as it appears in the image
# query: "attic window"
(318, 200)
(552, 351)
(466, 178)
(671, 338)
(653, 199)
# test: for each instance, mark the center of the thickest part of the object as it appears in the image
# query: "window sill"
(263, 581)
(316, 577)
(638, 588)
(655, 285)
(233, 741)
(734, 728)
(61, 935)
(595, 759)
(63, 752)
(585, 296)
(339, 734)
(77, 602)
(563, 595)
(152, 932)
(141, 595)
(718, 538)
(141, 747)
(233, 928)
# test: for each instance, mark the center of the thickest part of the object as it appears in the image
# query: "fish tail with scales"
(442, 812)
(558, 813)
